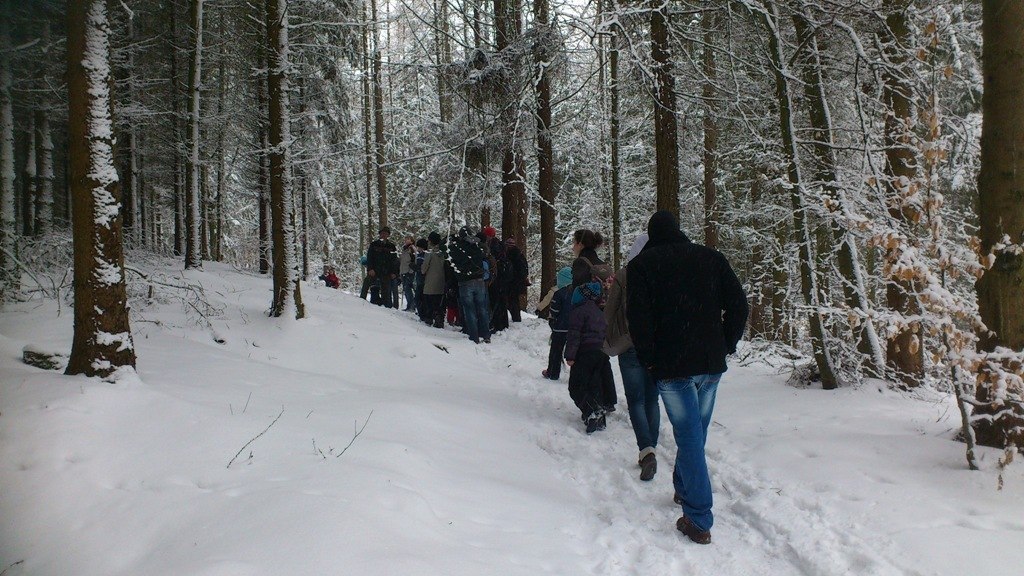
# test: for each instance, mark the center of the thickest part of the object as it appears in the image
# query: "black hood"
(663, 227)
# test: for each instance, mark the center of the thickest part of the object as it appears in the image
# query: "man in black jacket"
(382, 266)
(686, 311)
(467, 260)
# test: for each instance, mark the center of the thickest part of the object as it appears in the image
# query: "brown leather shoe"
(692, 532)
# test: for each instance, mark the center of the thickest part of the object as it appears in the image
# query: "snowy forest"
(858, 162)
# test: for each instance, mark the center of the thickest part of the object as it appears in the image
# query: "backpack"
(605, 275)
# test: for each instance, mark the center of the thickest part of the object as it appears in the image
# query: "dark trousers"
(367, 283)
(513, 307)
(585, 382)
(499, 313)
(432, 309)
(555, 354)
(609, 397)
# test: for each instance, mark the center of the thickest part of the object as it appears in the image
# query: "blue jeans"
(409, 288)
(641, 399)
(689, 403)
(476, 319)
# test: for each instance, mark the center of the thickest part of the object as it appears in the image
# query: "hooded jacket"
(586, 321)
(686, 309)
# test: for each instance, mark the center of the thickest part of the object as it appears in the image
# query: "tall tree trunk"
(380, 157)
(44, 174)
(132, 224)
(711, 208)
(217, 225)
(513, 165)
(904, 349)
(102, 340)
(827, 175)
(666, 147)
(193, 221)
(287, 294)
(614, 171)
(177, 144)
(1001, 209)
(801, 230)
(263, 160)
(7, 166)
(30, 178)
(368, 161)
(545, 154)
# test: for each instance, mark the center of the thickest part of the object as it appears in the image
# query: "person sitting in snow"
(330, 278)
(583, 354)
(558, 321)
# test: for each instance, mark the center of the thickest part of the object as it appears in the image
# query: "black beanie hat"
(663, 226)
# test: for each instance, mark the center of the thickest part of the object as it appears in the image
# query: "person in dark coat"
(330, 278)
(418, 278)
(587, 267)
(467, 262)
(640, 387)
(558, 321)
(382, 266)
(497, 292)
(520, 279)
(686, 312)
(583, 354)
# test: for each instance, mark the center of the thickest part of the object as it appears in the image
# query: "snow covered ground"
(467, 463)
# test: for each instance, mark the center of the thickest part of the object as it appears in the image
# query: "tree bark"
(711, 209)
(545, 152)
(507, 27)
(287, 295)
(827, 176)
(371, 230)
(177, 143)
(30, 180)
(193, 221)
(614, 171)
(7, 166)
(380, 145)
(666, 146)
(801, 231)
(1001, 209)
(102, 336)
(44, 174)
(904, 350)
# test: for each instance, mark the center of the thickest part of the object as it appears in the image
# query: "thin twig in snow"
(356, 435)
(242, 449)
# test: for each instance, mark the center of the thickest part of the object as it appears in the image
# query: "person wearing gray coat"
(433, 283)
(640, 386)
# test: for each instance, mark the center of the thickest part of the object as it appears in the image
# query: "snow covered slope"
(402, 449)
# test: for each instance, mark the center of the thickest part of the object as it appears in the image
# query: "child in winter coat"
(558, 320)
(583, 354)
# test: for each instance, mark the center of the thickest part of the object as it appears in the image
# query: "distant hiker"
(330, 278)
(519, 281)
(686, 311)
(583, 354)
(641, 389)
(369, 283)
(497, 292)
(467, 261)
(382, 262)
(421, 248)
(558, 320)
(588, 267)
(406, 261)
(432, 311)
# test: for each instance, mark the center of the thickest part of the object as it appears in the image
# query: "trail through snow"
(468, 462)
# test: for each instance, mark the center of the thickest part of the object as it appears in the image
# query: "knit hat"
(638, 245)
(510, 241)
(663, 225)
(465, 232)
(434, 238)
(385, 230)
(490, 232)
(564, 277)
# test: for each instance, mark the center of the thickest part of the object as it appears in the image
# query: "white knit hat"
(638, 245)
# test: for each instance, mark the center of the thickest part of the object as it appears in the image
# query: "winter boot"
(692, 532)
(648, 467)
(595, 422)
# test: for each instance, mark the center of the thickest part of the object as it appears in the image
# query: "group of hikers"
(475, 281)
(671, 315)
